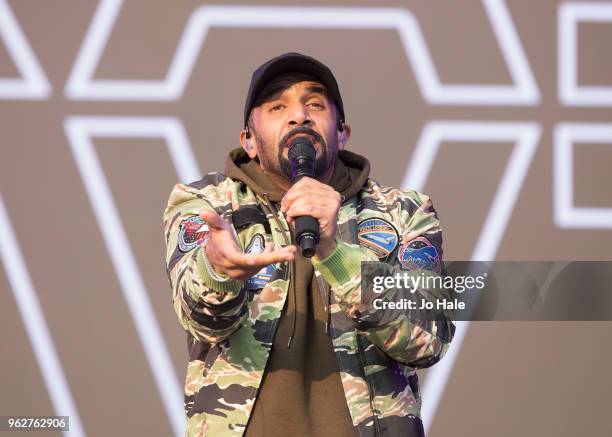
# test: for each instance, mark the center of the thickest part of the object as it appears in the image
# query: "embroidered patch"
(419, 254)
(261, 278)
(378, 235)
(193, 231)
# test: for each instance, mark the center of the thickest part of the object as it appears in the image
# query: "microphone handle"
(306, 227)
(307, 234)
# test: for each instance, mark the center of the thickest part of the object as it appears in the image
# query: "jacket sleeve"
(209, 305)
(405, 335)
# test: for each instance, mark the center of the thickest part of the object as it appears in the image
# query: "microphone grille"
(302, 148)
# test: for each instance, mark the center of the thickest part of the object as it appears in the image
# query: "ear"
(248, 144)
(344, 136)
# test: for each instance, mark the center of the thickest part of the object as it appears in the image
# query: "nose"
(299, 115)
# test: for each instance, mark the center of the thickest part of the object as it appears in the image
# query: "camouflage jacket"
(231, 324)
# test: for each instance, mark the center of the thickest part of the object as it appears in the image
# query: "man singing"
(280, 344)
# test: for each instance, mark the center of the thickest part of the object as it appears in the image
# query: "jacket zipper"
(274, 212)
(377, 432)
(272, 209)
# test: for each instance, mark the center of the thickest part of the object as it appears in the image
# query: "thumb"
(212, 219)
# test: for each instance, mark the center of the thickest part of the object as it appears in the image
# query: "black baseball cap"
(292, 63)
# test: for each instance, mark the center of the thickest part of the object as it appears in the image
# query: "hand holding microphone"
(312, 205)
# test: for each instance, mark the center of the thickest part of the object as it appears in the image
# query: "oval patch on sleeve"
(262, 277)
(419, 253)
(378, 235)
(193, 232)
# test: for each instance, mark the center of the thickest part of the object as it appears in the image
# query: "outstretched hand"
(227, 257)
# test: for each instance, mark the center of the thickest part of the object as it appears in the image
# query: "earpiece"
(341, 131)
(248, 145)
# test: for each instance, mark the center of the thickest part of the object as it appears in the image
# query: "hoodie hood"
(350, 174)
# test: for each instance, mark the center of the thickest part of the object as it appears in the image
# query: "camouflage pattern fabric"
(231, 324)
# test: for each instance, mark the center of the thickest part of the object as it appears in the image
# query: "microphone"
(302, 156)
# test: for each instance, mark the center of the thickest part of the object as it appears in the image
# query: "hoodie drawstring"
(328, 310)
(293, 292)
(326, 303)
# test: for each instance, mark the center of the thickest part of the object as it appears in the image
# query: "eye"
(276, 108)
(316, 105)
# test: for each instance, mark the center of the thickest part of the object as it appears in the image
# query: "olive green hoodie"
(301, 393)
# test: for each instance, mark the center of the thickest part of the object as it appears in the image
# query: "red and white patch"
(193, 232)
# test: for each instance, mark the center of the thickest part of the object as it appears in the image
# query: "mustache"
(302, 130)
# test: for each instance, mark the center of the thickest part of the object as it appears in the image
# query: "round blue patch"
(419, 254)
(378, 235)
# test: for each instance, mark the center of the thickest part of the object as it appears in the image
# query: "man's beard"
(320, 163)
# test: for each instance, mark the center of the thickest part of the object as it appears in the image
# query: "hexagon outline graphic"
(80, 130)
(82, 86)
(33, 84)
(566, 214)
(35, 324)
(526, 136)
(569, 91)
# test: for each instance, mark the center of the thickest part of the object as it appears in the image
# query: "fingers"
(312, 187)
(317, 205)
(317, 201)
(276, 256)
(318, 192)
(230, 259)
(318, 211)
(269, 247)
(214, 221)
(248, 265)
